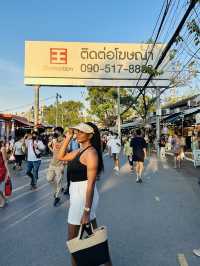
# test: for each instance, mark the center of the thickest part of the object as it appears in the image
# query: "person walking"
(34, 149)
(162, 144)
(56, 167)
(176, 144)
(138, 145)
(19, 151)
(115, 146)
(128, 151)
(150, 144)
(109, 141)
(84, 165)
(4, 173)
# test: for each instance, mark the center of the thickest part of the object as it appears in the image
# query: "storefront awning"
(174, 118)
(24, 122)
(192, 111)
(137, 122)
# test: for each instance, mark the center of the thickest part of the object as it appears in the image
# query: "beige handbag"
(92, 249)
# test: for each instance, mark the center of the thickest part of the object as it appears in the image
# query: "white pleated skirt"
(77, 191)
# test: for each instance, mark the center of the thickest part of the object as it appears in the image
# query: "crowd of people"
(76, 164)
(136, 145)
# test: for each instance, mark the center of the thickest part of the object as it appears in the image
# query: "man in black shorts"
(139, 154)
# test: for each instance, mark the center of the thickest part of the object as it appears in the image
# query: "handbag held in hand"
(8, 187)
(91, 250)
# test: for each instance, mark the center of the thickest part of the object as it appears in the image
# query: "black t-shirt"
(138, 144)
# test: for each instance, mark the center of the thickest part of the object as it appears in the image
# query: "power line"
(170, 43)
(173, 38)
(27, 105)
(196, 52)
(157, 35)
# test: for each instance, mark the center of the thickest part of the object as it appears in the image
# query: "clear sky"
(62, 20)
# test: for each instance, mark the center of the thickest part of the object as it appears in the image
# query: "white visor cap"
(84, 128)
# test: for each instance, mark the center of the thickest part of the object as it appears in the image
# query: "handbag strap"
(88, 228)
(34, 149)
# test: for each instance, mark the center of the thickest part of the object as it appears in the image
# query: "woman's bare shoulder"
(89, 154)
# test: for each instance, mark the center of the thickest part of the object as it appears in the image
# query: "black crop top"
(76, 171)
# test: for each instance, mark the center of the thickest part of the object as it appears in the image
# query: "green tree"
(69, 113)
(103, 104)
(142, 102)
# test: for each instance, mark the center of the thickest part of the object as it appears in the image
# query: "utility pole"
(36, 106)
(118, 113)
(158, 114)
(58, 96)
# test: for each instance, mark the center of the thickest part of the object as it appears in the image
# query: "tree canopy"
(69, 113)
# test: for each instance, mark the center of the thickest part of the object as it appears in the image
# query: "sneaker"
(140, 180)
(196, 252)
(116, 168)
(33, 187)
(56, 201)
(66, 191)
(137, 180)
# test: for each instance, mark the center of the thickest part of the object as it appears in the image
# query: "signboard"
(90, 64)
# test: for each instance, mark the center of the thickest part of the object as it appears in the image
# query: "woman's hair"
(96, 143)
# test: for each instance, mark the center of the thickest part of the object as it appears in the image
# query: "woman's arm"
(50, 146)
(63, 155)
(145, 152)
(145, 148)
(92, 166)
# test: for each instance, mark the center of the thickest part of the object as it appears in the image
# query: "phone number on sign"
(107, 68)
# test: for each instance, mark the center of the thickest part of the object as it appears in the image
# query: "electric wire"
(27, 105)
(157, 35)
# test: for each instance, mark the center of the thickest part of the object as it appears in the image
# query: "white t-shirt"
(115, 145)
(109, 140)
(18, 148)
(39, 147)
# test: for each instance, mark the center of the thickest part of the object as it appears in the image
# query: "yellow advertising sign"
(90, 64)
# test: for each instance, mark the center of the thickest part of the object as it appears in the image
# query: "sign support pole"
(57, 102)
(158, 114)
(36, 107)
(118, 113)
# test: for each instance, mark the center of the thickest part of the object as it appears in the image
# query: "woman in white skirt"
(84, 165)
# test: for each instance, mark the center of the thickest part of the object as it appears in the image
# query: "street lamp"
(58, 96)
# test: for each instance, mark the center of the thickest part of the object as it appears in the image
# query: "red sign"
(58, 56)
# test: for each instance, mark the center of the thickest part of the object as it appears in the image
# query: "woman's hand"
(85, 218)
(70, 133)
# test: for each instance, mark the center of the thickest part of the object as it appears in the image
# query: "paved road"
(149, 224)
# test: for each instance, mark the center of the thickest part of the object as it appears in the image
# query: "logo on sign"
(58, 56)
